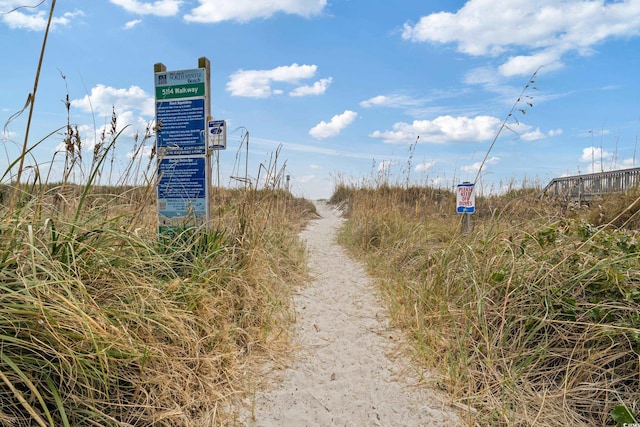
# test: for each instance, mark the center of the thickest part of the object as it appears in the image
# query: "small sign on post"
(466, 198)
(466, 204)
(217, 134)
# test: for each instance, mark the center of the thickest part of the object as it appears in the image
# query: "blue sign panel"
(181, 127)
(182, 190)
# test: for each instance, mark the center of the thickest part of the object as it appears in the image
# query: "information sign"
(466, 198)
(181, 127)
(181, 190)
(217, 135)
(180, 84)
(182, 108)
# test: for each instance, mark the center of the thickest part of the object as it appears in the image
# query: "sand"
(350, 367)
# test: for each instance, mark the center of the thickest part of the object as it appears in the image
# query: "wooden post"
(465, 191)
(466, 223)
(203, 62)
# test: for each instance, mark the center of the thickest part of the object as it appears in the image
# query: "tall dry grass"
(531, 320)
(105, 322)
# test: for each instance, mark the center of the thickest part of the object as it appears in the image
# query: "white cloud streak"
(131, 24)
(475, 167)
(537, 134)
(425, 166)
(156, 8)
(24, 19)
(391, 101)
(211, 11)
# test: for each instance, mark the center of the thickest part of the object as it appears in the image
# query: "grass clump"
(104, 322)
(531, 319)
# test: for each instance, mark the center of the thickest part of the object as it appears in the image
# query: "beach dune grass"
(531, 320)
(105, 322)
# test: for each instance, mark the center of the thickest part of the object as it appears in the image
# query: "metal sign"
(180, 84)
(181, 127)
(182, 106)
(180, 112)
(182, 191)
(465, 198)
(217, 135)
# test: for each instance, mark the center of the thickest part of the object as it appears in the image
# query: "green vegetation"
(531, 320)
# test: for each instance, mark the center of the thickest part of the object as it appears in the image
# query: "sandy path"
(348, 371)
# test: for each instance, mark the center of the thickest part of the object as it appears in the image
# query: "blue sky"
(351, 90)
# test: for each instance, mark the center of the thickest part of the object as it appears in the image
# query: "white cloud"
(129, 25)
(533, 135)
(257, 83)
(538, 32)
(594, 155)
(391, 101)
(375, 101)
(475, 167)
(211, 11)
(599, 160)
(528, 64)
(442, 130)
(629, 163)
(334, 127)
(133, 108)
(318, 88)
(538, 134)
(157, 8)
(425, 166)
(103, 99)
(36, 21)
(145, 152)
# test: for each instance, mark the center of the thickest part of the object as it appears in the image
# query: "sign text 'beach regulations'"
(180, 112)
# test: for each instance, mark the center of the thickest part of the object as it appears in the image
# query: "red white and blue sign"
(465, 198)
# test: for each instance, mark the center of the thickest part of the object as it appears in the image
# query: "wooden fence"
(579, 188)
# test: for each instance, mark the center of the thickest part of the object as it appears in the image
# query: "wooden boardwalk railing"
(580, 188)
